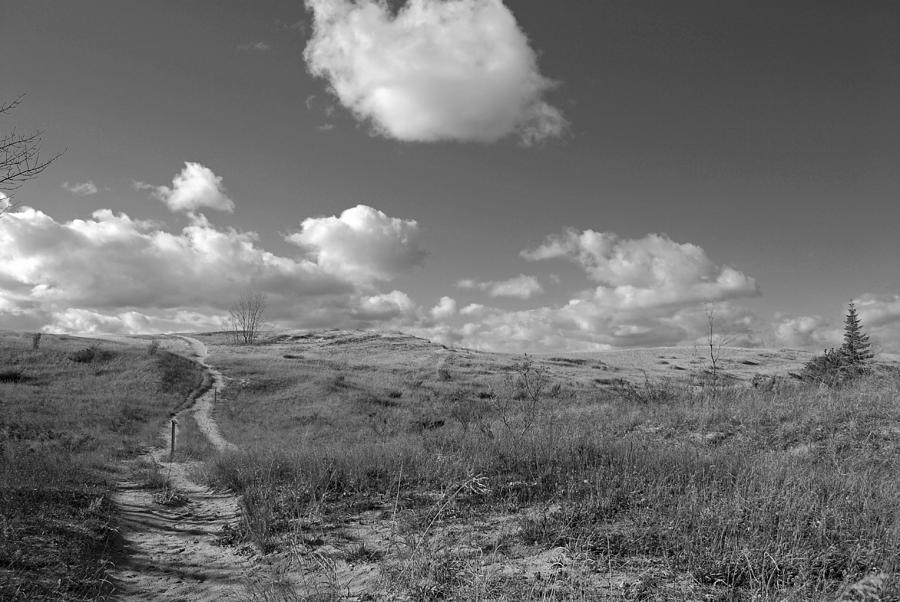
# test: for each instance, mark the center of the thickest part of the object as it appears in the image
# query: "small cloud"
(519, 287)
(5, 203)
(446, 308)
(327, 109)
(195, 187)
(81, 188)
(362, 244)
(255, 47)
(299, 26)
(807, 331)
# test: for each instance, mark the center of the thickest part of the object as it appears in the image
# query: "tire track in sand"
(173, 551)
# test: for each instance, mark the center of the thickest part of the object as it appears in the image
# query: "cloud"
(437, 70)
(645, 273)
(5, 203)
(112, 261)
(383, 307)
(362, 245)
(114, 273)
(192, 189)
(519, 287)
(84, 321)
(644, 292)
(255, 47)
(807, 331)
(81, 188)
(445, 309)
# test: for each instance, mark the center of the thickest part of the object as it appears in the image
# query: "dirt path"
(172, 541)
(203, 407)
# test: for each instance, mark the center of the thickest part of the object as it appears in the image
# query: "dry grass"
(660, 490)
(75, 411)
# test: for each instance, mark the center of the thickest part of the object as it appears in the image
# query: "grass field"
(70, 413)
(386, 467)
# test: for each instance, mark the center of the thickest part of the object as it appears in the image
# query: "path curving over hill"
(203, 406)
(172, 536)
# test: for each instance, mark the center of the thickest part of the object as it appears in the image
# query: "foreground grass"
(457, 487)
(70, 412)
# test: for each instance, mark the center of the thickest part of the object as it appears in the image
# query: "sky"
(511, 176)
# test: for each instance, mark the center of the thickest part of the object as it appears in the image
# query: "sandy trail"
(203, 407)
(173, 551)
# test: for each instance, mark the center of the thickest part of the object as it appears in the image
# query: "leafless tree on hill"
(20, 158)
(714, 341)
(247, 317)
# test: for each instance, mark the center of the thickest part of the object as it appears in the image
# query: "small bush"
(91, 354)
(153, 348)
(648, 392)
(12, 375)
(84, 356)
(832, 369)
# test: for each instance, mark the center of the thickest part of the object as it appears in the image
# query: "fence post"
(172, 447)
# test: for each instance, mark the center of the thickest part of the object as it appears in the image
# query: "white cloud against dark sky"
(741, 155)
(196, 187)
(362, 244)
(435, 70)
(87, 188)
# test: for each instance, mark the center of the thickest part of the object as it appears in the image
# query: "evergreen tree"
(856, 350)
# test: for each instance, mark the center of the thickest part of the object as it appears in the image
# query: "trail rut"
(172, 549)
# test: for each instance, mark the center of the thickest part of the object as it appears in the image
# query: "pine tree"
(856, 351)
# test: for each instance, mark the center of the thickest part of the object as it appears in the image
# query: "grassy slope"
(63, 427)
(677, 492)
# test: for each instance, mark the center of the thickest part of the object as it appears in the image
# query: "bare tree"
(713, 340)
(247, 317)
(20, 158)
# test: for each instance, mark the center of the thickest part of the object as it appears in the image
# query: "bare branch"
(20, 158)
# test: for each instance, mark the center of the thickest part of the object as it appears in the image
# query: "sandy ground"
(172, 549)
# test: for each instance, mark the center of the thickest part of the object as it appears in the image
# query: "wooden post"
(172, 448)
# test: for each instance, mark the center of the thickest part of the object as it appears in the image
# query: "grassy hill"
(70, 413)
(387, 467)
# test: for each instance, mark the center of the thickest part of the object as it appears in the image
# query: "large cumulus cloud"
(115, 273)
(437, 70)
(113, 261)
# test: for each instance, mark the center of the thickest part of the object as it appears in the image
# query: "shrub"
(11, 375)
(84, 356)
(836, 367)
(648, 392)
